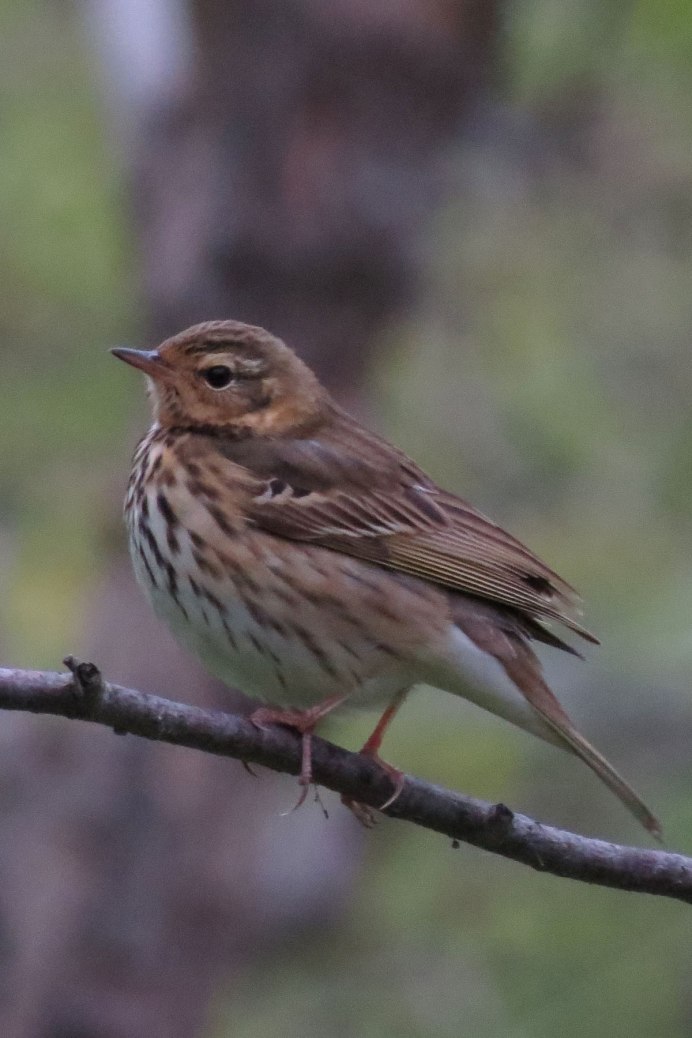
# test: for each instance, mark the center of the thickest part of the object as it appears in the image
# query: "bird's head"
(229, 376)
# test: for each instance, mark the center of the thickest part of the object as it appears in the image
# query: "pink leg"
(371, 748)
(305, 722)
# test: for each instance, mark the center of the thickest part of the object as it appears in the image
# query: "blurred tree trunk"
(285, 185)
(303, 163)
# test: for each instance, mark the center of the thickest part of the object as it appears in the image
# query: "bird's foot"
(365, 814)
(304, 722)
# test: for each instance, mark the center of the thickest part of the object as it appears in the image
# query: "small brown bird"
(310, 562)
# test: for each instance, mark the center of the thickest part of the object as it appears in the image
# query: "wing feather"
(350, 491)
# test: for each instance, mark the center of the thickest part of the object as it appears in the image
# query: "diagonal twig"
(83, 694)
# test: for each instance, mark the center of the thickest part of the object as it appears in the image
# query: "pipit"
(310, 563)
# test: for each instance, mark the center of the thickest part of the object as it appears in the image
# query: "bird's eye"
(218, 376)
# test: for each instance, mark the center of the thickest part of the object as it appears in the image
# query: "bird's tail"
(606, 772)
(550, 710)
(516, 690)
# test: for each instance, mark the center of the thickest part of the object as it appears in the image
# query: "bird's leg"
(303, 721)
(370, 748)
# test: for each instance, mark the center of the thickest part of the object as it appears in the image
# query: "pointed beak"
(148, 361)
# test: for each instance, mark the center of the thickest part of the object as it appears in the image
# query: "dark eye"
(218, 377)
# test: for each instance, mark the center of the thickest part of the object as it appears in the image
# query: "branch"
(82, 694)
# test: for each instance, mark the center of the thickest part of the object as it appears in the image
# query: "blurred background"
(474, 218)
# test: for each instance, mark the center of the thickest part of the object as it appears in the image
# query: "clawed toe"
(304, 722)
(398, 779)
(266, 715)
(365, 814)
(305, 788)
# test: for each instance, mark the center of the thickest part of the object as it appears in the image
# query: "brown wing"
(352, 492)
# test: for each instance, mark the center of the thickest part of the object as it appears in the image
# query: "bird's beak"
(148, 361)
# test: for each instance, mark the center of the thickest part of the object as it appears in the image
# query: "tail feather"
(605, 771)
(527, 676)
(504, 638)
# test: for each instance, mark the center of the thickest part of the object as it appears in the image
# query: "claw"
(365, 814)
(304, 722)
(398, 779)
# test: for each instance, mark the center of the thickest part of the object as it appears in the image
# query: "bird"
(312, 564)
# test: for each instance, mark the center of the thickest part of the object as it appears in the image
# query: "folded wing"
(350, 491)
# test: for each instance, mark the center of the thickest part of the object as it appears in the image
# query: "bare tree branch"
(84, 695)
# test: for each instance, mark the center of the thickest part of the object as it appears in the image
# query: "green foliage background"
(68, 292)
(546, 373)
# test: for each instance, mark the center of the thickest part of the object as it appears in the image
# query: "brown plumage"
(310, 562)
